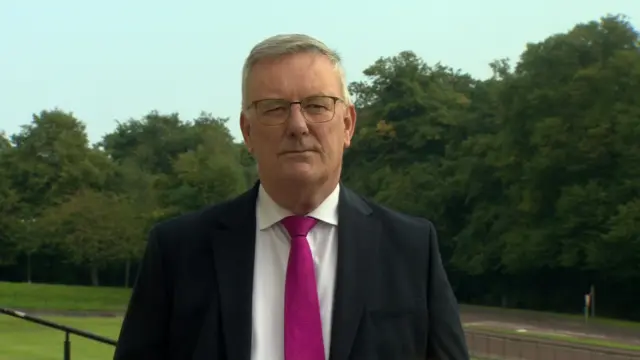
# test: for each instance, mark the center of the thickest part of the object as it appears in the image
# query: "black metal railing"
(66, 329)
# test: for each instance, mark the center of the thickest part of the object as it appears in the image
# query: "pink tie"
(302, 323)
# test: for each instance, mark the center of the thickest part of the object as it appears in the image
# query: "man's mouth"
(296, 152)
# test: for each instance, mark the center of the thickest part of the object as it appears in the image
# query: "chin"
(300, 172)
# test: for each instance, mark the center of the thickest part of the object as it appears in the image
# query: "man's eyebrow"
(321, 93)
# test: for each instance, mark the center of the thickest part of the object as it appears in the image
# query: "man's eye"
(316, 108)
(275, 110)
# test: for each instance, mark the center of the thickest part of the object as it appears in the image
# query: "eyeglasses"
(315, 109)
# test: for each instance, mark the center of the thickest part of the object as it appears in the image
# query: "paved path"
(532, 321)
(531, 348)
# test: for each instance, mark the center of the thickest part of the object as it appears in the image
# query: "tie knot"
(298, 225)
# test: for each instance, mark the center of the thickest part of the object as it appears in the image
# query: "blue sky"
(114, 60)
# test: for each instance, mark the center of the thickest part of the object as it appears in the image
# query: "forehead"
(293, 77)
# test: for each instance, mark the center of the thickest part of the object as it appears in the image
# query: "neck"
(298, 198)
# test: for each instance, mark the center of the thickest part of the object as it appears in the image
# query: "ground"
(571, 328)
(99, 310)
(21, 340)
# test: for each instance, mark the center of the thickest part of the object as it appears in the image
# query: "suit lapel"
(358, 238)
(233, 243)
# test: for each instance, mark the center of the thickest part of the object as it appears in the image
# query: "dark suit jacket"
(193, 295)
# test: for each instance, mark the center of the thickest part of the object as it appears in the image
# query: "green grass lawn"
(22, 340)
(62, 297)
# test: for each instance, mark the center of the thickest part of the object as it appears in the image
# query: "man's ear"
(349, 125)
(245, 127)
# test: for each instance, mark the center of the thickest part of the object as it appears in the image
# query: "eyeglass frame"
(335, 99)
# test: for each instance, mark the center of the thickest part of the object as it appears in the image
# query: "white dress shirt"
(271, 258)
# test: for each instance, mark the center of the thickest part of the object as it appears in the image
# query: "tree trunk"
(95, 281)
(127, 273)
(29, 267)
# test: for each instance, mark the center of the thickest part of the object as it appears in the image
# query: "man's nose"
(297, 124)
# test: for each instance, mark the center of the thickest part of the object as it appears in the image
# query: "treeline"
(531, 176)
(66, 204)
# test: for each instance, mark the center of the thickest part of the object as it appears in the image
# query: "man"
(299, 267)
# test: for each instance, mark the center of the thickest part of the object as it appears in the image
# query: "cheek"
(333, 140)
(264, 145)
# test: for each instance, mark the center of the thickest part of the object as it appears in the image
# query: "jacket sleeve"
(144, 331)
(446, 336)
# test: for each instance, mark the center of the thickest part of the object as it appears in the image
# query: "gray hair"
(286, 44)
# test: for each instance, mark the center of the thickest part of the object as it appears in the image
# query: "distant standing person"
(299, 267)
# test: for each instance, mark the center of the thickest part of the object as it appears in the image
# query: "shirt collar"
(269, 213)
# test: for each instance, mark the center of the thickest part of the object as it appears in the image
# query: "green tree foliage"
(9, 202)
(531, 176)
(94, 228)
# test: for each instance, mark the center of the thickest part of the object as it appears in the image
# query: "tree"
(9, 202)
(49, 159)
(208, 174)
(94, 229)
(528, 174)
